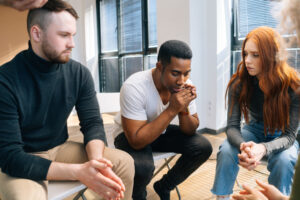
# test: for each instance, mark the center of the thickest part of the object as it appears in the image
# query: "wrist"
(185, 112)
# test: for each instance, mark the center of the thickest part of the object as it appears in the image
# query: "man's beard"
(54, 56)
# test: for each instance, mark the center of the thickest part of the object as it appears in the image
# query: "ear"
(159, 66)
(36, 33)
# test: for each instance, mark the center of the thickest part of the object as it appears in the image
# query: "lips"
(175, 90)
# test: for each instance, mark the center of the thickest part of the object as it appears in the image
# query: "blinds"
(108, 20)
(131, 25)
(254, 13)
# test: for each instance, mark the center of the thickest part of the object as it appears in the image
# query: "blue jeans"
(280, 164)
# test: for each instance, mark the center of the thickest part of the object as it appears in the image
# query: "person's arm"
(22, 5)
(266, 192)
(140, 132)
(14, 161)
(233, 131)
(96, 174)
(287, 137)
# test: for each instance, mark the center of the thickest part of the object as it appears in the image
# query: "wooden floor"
(198, 185)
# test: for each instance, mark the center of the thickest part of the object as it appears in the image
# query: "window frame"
(146, 50)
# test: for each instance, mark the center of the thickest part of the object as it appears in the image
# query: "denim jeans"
(280, 164)
(195, 150)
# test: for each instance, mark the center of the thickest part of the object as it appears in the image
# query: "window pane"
(131, 26)
(131, 64)
(236, 59)
(109, 77)
(108, 20)
(152, 23)
(298, 62)
(254, 13)
(150, 61)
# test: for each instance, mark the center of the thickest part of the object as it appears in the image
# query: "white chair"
(58, 190)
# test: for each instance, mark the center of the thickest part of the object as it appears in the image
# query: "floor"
(198, 185)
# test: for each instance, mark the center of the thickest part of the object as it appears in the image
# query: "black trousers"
(194, 150)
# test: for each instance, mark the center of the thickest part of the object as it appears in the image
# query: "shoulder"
(139, 80)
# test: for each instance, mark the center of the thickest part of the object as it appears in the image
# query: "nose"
(247, 59)
(180, 80)
(71, 43)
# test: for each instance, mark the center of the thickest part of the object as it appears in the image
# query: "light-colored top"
(140, 100)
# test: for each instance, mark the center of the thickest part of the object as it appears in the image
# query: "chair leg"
(176, 188)
(80, 194)
(167, 161)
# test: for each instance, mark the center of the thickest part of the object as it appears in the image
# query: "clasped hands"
(99, 177)
(251, 154)
(180, 100)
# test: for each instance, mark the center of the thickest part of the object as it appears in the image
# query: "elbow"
(136, 145)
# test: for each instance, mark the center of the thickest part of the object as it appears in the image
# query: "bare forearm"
(63, 171)
(94, 149)
(151, 131)
(188, 123)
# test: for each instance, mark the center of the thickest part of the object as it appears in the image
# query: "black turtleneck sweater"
(36, 98)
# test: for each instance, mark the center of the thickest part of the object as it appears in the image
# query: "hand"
(180, 101)
(267, 191)
(249, 194)
(95, 174)
(251, 154)
(22, 5)
(271, 192)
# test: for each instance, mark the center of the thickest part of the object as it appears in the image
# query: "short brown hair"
(40, 16)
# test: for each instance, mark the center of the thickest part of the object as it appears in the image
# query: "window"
(127, 40)
(248, 15)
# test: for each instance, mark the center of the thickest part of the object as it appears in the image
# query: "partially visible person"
(22, 5)
(39, 88)
(266, 192)
(264, 92)
(290, 22)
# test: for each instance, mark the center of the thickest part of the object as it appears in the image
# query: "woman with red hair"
(265, 91)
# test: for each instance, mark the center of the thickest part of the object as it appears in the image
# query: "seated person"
(289, 15)
(158, 113)
(38, 89)
(263, 91)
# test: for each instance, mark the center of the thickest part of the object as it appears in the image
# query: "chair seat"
(58, 190)
(162, 155)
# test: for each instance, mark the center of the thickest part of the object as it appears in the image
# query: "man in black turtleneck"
(38, 90)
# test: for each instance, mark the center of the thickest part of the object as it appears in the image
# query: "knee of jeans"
(227, 152)
(283, 161)
(198, 146)
(144, 169)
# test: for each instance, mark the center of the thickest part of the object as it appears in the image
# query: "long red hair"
(275, 80)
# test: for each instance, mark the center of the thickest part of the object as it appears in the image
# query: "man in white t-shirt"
(158, 113)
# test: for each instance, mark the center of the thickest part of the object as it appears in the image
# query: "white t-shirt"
(140, 100)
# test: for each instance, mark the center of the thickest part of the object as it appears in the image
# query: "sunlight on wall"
(221, 24)
(90, 26)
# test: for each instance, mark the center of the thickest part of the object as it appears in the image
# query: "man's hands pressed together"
(98, 176)
(180, 100)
